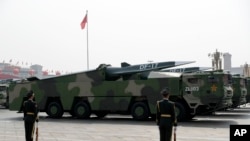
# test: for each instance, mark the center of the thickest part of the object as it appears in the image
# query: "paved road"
(122, 128)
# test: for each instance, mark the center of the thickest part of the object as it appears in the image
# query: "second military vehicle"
(240, 91)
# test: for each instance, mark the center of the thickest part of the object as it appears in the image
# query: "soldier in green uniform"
(30, 111)
(165, 116)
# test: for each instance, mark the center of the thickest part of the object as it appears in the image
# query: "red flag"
(84, 21)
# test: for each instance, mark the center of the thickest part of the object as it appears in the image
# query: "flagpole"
(83, 24)
(87, 41)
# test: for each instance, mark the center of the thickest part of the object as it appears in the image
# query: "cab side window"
(193, 80)
(213, 79)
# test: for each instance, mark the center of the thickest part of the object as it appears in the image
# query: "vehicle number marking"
(192, 89)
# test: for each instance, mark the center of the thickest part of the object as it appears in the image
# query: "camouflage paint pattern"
(101, 95)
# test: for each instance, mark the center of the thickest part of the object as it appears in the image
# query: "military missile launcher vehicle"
(131, 90)
(4, 92)
(248, 90)
(101, 91)
(240, 90)
(4, 95)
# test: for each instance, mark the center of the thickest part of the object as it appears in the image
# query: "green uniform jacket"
(30, 111)
(166, 113)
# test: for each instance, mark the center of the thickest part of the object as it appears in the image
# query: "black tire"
(235, 104)
(101, 114)
(82, 110)
(140, 111)
(55, 110)
(180, 111)
(7, 103)
(190, 116)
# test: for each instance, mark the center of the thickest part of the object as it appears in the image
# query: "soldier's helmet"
(30, 93)
(165, 91)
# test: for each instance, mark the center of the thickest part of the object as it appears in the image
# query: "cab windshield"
(227, 79)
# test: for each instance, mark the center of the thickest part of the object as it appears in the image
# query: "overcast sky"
(47, 32)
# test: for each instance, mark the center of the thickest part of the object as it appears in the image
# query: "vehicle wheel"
(180, 111)
(190, 116)
(235, 104)
(7, 103)
(101, 114)
(82, 110)
(55, 110)
(140, 111)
